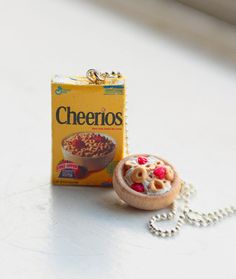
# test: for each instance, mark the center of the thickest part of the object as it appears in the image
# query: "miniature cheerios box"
(88, 129)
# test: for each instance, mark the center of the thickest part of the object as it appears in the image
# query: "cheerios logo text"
(65, 115)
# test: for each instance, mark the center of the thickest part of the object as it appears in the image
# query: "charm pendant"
(149, 182)
(146, 182)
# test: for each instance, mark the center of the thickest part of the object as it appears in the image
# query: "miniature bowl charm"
(146, 182)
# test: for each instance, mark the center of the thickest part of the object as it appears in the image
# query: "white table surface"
(181, 105)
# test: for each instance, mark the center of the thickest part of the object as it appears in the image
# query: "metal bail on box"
(94, 76)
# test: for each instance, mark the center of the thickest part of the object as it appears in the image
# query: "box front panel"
(87, 133)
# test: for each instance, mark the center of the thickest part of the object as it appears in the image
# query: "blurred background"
(179, 57)
(180, 61)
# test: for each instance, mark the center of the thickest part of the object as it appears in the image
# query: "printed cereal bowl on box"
(94, 151)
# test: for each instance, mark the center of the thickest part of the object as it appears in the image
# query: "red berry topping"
(142, 160)
(99, 138)
(138, 187)
(79, 144)
(160, 172)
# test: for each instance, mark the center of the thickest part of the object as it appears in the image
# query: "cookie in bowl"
(146, 182)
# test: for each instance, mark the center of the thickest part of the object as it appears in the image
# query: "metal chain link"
(187, 215)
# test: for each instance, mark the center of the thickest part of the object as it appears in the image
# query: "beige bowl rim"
(119, 175)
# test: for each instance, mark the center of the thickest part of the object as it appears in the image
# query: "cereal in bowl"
(88, 145)
(148, 175)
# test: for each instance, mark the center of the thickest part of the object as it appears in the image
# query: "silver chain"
(187, 215)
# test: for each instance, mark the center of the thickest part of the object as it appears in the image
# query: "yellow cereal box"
(88, 129)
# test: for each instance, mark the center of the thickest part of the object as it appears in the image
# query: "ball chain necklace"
(149, 182)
